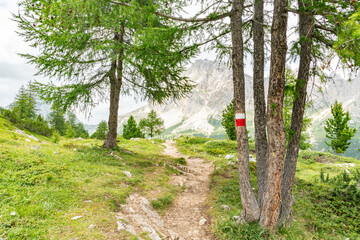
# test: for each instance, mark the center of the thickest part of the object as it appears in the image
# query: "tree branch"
(192, 20)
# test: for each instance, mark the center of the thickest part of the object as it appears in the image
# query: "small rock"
(231, 163)
(152, 142)
(92, 226)
(128, 174)
(74, 149)
(202, 221)
(56, 152)
(13, 213)
(225, 207)
(28, 140)
(76, 217)
(229, 156)
(88, 201)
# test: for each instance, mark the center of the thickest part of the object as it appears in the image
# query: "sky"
(15, 72)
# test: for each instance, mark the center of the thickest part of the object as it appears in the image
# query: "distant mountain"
(200, 113)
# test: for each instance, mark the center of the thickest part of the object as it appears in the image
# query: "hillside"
(200, 113)
(77, 190)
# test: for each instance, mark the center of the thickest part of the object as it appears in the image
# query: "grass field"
(326, 193)
(73, 189)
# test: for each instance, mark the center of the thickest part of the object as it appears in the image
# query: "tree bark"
(306, 28)
(275, 124)
(250, 206)
(259, 98)
(115, 76)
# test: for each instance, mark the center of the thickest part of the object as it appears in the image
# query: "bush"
(197, 140)
(38, 125)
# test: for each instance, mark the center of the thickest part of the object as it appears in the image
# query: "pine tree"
(101, 131)
(24, 105)
(57, 121)
(152, 125)
(338, 130)
(81, 131)
(131, 129)
(69, 132)
(227, 121)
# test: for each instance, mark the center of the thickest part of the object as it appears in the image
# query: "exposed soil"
(188, 215)
(186, 219)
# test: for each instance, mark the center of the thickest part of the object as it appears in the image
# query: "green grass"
(44, 185)
(323, 210)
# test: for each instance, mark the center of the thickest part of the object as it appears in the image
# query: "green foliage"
(55, 137)
(80, 41)
(347, 46)
(81, 131)
(101, 131)
(37, 125)
(69, 132)
(131, 130)
(332, 205)
(338, 130)
(56, 119)
(24, 105)
(163, 202)
(42, 189)
(289, 96)
(152, 125)
(227, 121)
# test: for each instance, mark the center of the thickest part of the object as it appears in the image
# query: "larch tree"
(92, 48)
(320, 24)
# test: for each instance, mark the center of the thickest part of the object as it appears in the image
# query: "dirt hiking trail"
(188, 215)
(186, 219)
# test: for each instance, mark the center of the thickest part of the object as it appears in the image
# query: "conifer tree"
(24, 105)
(69, 132)
(101, 131)
(227, 121)
(100, 48)
(131, 129)
(152, 125)
(338, 130)
(57, 121)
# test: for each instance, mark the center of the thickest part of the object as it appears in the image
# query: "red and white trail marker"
(240, 119)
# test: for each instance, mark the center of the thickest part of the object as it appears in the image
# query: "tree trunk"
(259, 98)
(115, 76)
(250, 206)
(305, 32)
(275, 124)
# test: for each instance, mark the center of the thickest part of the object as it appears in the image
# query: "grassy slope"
(44, 185)
(319, 212)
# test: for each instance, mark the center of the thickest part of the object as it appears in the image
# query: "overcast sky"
(14, 71)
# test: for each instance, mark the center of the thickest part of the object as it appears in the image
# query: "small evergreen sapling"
(227, 121)
(131, 129)
(101, 131)
(338, 130)
(152, 125)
